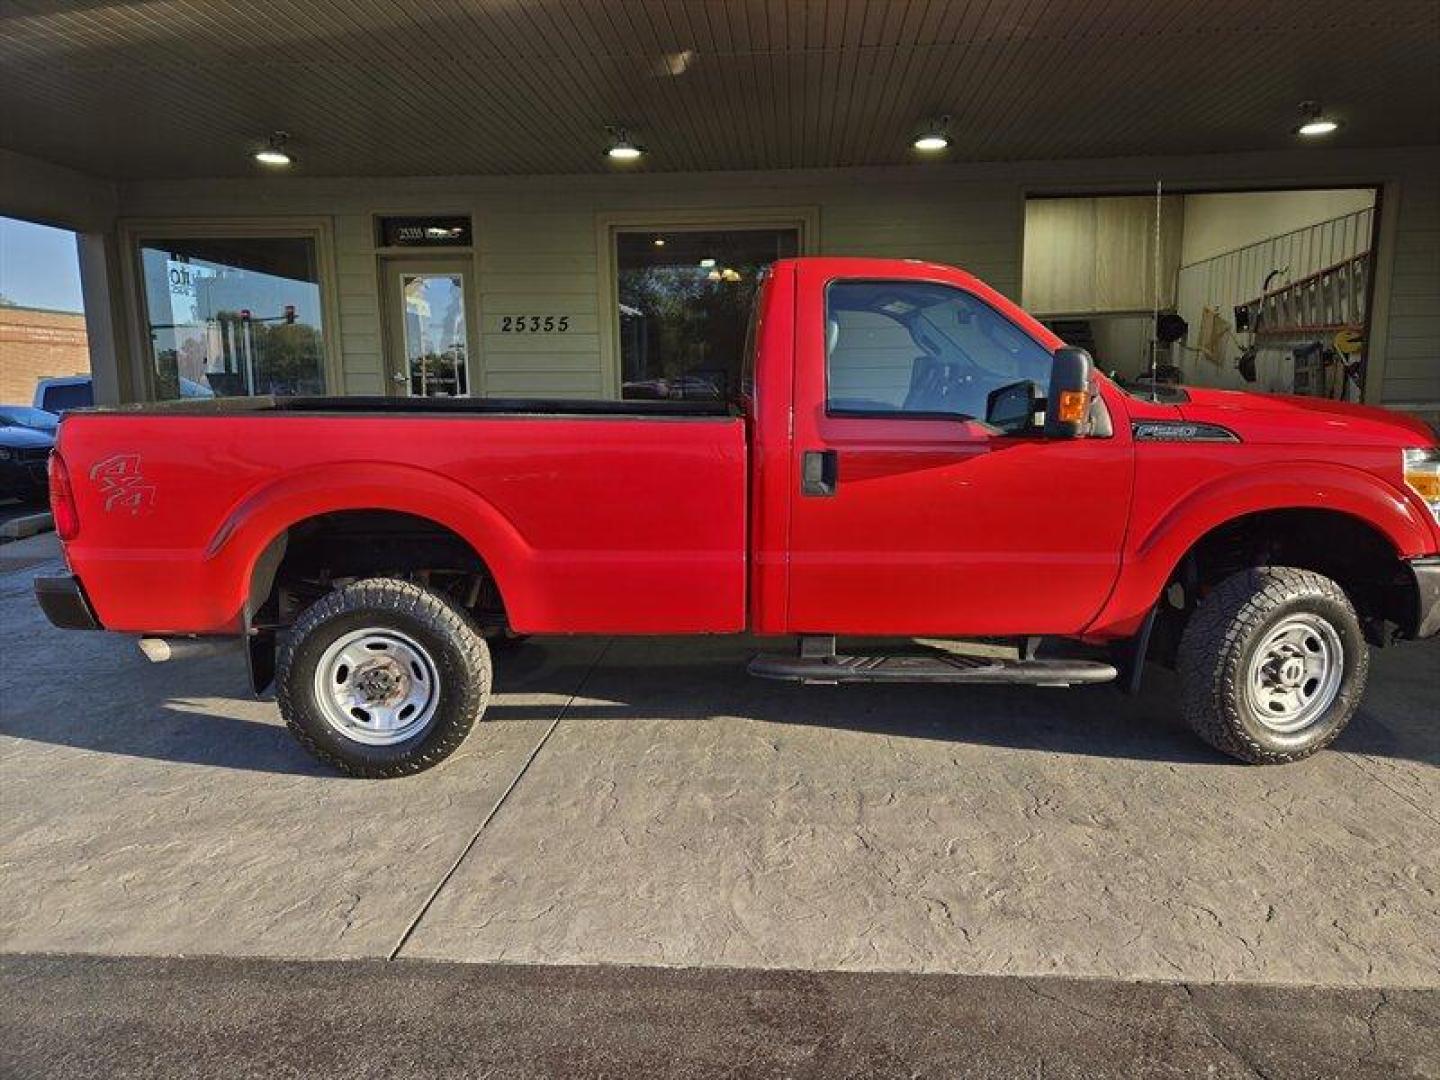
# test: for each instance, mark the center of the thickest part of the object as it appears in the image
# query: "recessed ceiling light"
(934, 137)
(274, 153)
(1313, 121)
(621, 148)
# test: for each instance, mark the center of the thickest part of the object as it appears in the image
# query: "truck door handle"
(819, 473)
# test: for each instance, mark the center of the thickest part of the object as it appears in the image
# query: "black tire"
(1222, 638)
(448, 638)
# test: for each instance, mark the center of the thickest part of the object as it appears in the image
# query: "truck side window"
(894, 348)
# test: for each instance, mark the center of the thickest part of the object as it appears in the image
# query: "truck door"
(910, 514)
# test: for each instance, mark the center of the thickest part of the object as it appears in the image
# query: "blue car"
(26, 436)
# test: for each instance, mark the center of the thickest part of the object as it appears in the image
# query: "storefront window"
(685, 299)
(234, 316)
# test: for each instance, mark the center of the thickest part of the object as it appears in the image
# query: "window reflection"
(685, 300)
(894, 347)
(435, 334)
(234, 316)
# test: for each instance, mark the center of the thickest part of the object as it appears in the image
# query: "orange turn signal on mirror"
(1072, 406)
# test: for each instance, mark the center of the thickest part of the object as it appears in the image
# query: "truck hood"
(1272, 418)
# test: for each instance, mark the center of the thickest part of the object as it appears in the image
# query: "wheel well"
(1349, 551)
(315, 555)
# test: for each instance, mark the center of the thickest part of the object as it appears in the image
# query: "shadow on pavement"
(667, 684)
(177, 732)
(1095, 721)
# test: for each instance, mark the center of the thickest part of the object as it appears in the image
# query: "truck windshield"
(895, 347)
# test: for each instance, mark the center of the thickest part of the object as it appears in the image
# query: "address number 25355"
(534, 324)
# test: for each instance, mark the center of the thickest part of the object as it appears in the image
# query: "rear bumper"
(1427, 595)
(64, 602)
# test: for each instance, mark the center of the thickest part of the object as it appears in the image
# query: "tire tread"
(420, 604)
(1211, 651)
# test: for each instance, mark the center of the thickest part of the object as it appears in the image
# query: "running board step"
(930, 669)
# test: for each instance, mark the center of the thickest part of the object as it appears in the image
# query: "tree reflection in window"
(685, 299)
(234, 316)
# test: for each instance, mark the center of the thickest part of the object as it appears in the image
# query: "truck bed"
(593, 517)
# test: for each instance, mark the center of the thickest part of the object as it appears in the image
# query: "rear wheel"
(383, 678)
(1272, 664)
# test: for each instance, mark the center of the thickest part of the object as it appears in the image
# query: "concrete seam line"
(1358, 760)
(524, 768)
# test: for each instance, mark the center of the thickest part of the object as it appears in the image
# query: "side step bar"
(932, 668)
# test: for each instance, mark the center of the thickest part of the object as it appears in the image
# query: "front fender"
(1152, 556)
(266, 513)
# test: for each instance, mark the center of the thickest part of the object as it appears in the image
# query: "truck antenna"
(1155, 322)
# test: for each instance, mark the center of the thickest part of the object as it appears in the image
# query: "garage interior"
(1257, 290)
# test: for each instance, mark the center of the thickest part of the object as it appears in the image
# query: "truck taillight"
(62, 499)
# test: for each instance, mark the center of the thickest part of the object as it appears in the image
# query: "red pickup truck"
(911, 456)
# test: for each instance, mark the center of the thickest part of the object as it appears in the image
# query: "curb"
(29, 525)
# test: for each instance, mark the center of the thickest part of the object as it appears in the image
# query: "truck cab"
(922, 487)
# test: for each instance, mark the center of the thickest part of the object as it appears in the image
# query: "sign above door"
(423, 232)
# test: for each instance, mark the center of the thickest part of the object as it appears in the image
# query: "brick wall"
(36, 344)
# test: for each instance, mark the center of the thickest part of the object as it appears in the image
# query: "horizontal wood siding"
(974, 226)
(537, 254)
(536, 249)
(538, 257)
(1412, 347)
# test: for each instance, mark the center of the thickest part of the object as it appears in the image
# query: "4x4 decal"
(122, 484)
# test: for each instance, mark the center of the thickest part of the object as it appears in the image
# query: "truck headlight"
(1422, 476)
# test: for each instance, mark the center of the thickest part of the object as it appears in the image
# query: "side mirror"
(1068, 404)
(1012, 407)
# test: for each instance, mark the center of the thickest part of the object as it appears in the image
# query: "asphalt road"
(91, 1017)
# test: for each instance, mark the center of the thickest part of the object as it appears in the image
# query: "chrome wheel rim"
(1295, 673)
(376, 686)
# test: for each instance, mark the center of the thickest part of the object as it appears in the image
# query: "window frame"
(804, 219)
(134, 232)
(902, 414)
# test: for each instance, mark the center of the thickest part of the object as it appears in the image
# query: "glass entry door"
(431, 322)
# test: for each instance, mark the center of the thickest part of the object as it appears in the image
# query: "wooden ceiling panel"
(174, 88)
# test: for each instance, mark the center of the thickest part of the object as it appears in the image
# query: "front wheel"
(1272, 665)
(383, 678)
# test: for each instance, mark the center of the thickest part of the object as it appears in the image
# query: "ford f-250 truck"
(911, 456)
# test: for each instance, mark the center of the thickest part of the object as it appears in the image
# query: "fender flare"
(1151, 560)
(237, 550)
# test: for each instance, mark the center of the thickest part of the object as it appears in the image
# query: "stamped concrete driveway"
(646, 802)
